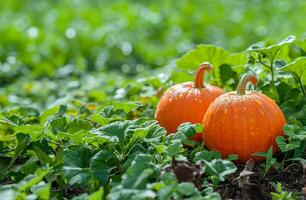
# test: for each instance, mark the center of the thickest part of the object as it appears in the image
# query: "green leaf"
(127, 106)
(30, 182)
(42, 156)
(42, 190)
(58, 124)
(81, 165)
(23, 141)
(297, 67)
(169, 178)
(206, 155)
(97, 195)
(114, 132)
(273, 49)
(132, 194)
(79, 125)
(141, 132)
(186, 188)
(174, 148)
(282, 144)
(76, 165)
(53, 111)
(112, 112)
(232, 157)
(212, 54)
(99, 165)
(99, 119)
(33, 130)
(138, 173)
(219, 168)
(166, 192)
(189, 129)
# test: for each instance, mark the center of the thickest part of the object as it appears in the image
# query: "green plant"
(269, 160)
(280, 194)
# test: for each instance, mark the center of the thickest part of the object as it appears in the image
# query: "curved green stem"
(243, 82)
(300, 82)
(198, 80)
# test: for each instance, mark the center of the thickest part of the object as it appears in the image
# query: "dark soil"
(249, 181)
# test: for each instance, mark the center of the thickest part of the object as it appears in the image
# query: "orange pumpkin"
(186, 102)
(243, 123)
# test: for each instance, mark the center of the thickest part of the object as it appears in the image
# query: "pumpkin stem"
(243, 82)
(198, 80)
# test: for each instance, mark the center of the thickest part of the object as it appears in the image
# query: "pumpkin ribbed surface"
(242, 124)
(186, 102)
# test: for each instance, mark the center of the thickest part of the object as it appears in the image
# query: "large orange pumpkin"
(243, 123)
(186, 102)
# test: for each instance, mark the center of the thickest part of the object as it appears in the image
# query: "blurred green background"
(50, 48)
(129, 36)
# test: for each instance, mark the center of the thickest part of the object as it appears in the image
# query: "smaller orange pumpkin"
(243, 123)
(186, 102)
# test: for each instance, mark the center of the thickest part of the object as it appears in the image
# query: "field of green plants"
(80, 81)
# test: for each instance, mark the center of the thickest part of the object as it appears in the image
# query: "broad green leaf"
(30, 182)
(77, 156)
(207, 155)
(141, 132)
(297, 67)
(97, 195)
(212, 54)
(174, 148)
(79, 125)
(43, 157)
(81, 165)
(23, 141)
(97, 118)
(112, 112)
(273, 49)
(58, 124)
(282, 144)
(126, 106)
(219, 168)
(114, 132)
(131, 194)
(138, 173)
(169, 178)
(32, 179)
(189, 129)
(32, 130)
(186, 188)
(232, 157)
(99, 165)
(49, 113)
(42, 190)
(166, 192)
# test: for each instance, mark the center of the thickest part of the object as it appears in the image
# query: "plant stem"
(198, 80)
(302, 86)
(300, 82)
(243, 82)
(273, 77)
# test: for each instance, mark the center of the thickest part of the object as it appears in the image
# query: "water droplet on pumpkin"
(261, 112)
(258, 102)
(225, 111)
(244, 109)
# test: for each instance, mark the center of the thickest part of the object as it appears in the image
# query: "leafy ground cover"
(72, 127)
(101, 140)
